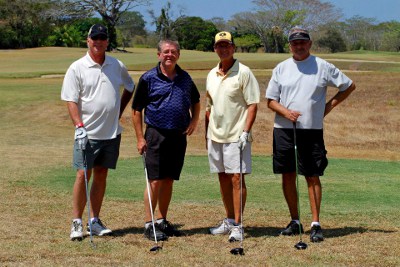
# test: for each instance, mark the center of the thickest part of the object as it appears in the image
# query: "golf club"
(87, 197)
(301, 244)
(156, 247)
(240, 250)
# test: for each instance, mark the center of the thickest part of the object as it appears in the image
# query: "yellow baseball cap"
(223, 37)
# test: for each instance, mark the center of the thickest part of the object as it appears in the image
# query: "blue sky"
(381, 10)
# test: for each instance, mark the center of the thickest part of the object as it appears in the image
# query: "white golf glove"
(243, 140)
(81, 137)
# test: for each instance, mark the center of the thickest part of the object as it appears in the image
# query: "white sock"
(147, 225)
(296, 221)
(79, 220)
(94, 219)
(160, 220)
(315, 223)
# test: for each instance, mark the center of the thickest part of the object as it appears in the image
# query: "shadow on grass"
(127, 231)
(338, 232)
(258, 231)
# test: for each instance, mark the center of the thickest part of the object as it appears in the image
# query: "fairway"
(361, 185)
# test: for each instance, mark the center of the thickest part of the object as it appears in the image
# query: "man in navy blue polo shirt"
(171, 104)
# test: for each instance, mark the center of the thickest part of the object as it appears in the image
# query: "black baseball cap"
(299, 34)
(98, 30)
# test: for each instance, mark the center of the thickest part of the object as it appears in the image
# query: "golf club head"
(300, 245)
(155, 248)
(237, 251)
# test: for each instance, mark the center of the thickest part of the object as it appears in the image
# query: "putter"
(301, 244)
(87, 198)
(240, 250)
(156, 247)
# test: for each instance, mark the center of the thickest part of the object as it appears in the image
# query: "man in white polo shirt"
(91, 89)
(297, 93)
(232, 97)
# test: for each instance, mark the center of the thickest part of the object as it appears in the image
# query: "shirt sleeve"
(251, 89)
(194, 94)
(141, 95)
(70, 89)
(127, 79)
(273, 88)
(338, 79)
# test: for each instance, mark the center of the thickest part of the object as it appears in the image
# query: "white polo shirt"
(96, 90)
(302, 86)
(228, 97)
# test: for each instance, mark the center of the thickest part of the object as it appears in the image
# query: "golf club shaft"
(297, 177)
(241, 196)
(149, 196)
(87, 195)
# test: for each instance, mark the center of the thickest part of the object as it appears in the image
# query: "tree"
(129, 25)
(110, 11)
(25, 23)
(257, 23)
(332, 40)
(247, 42)
(194, 33)
(274, 18)
(391, 36)
(71, 34)
(165, 24)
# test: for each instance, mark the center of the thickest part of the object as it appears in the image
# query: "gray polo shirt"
(302, 86)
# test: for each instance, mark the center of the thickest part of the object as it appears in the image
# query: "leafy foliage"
(194, 33)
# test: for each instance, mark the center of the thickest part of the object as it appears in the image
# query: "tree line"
(36, 23)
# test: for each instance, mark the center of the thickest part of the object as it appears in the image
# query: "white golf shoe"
(76, 231)
(236, 234)
(222, 228)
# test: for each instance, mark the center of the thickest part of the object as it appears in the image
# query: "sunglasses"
(99, 37)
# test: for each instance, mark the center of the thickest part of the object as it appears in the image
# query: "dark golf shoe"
(149, 233)
(316, 234)
(292, 229)
(168, 229)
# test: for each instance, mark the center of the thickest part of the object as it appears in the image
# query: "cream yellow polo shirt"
(227, 100)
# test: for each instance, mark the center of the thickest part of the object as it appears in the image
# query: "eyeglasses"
(99, 37)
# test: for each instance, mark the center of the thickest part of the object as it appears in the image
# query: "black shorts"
(311, 152)
(165, 153)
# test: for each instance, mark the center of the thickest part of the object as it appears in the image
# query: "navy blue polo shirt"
(166, 102)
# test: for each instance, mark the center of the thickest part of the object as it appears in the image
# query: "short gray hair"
(167, 41)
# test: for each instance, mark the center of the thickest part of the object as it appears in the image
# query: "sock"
(315, 223)
(94, 219)
(79, 220)
(147, 224)
(296, 221)
(231, 221)
(160, 220)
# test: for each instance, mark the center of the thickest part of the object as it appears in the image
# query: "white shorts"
(225, 157)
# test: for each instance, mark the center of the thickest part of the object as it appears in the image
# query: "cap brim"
(224, 40)
(98, 34)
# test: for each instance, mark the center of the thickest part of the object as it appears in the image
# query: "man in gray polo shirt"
(297, 93)
(91, 89)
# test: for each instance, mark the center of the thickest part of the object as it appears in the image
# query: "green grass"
(350, 186)
(28, 63)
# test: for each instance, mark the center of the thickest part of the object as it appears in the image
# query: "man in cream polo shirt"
(232, 97)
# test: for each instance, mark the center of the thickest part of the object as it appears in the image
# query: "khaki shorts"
(225, 157)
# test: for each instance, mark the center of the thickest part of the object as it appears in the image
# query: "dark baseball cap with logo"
(299, 34)
(98, 30)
